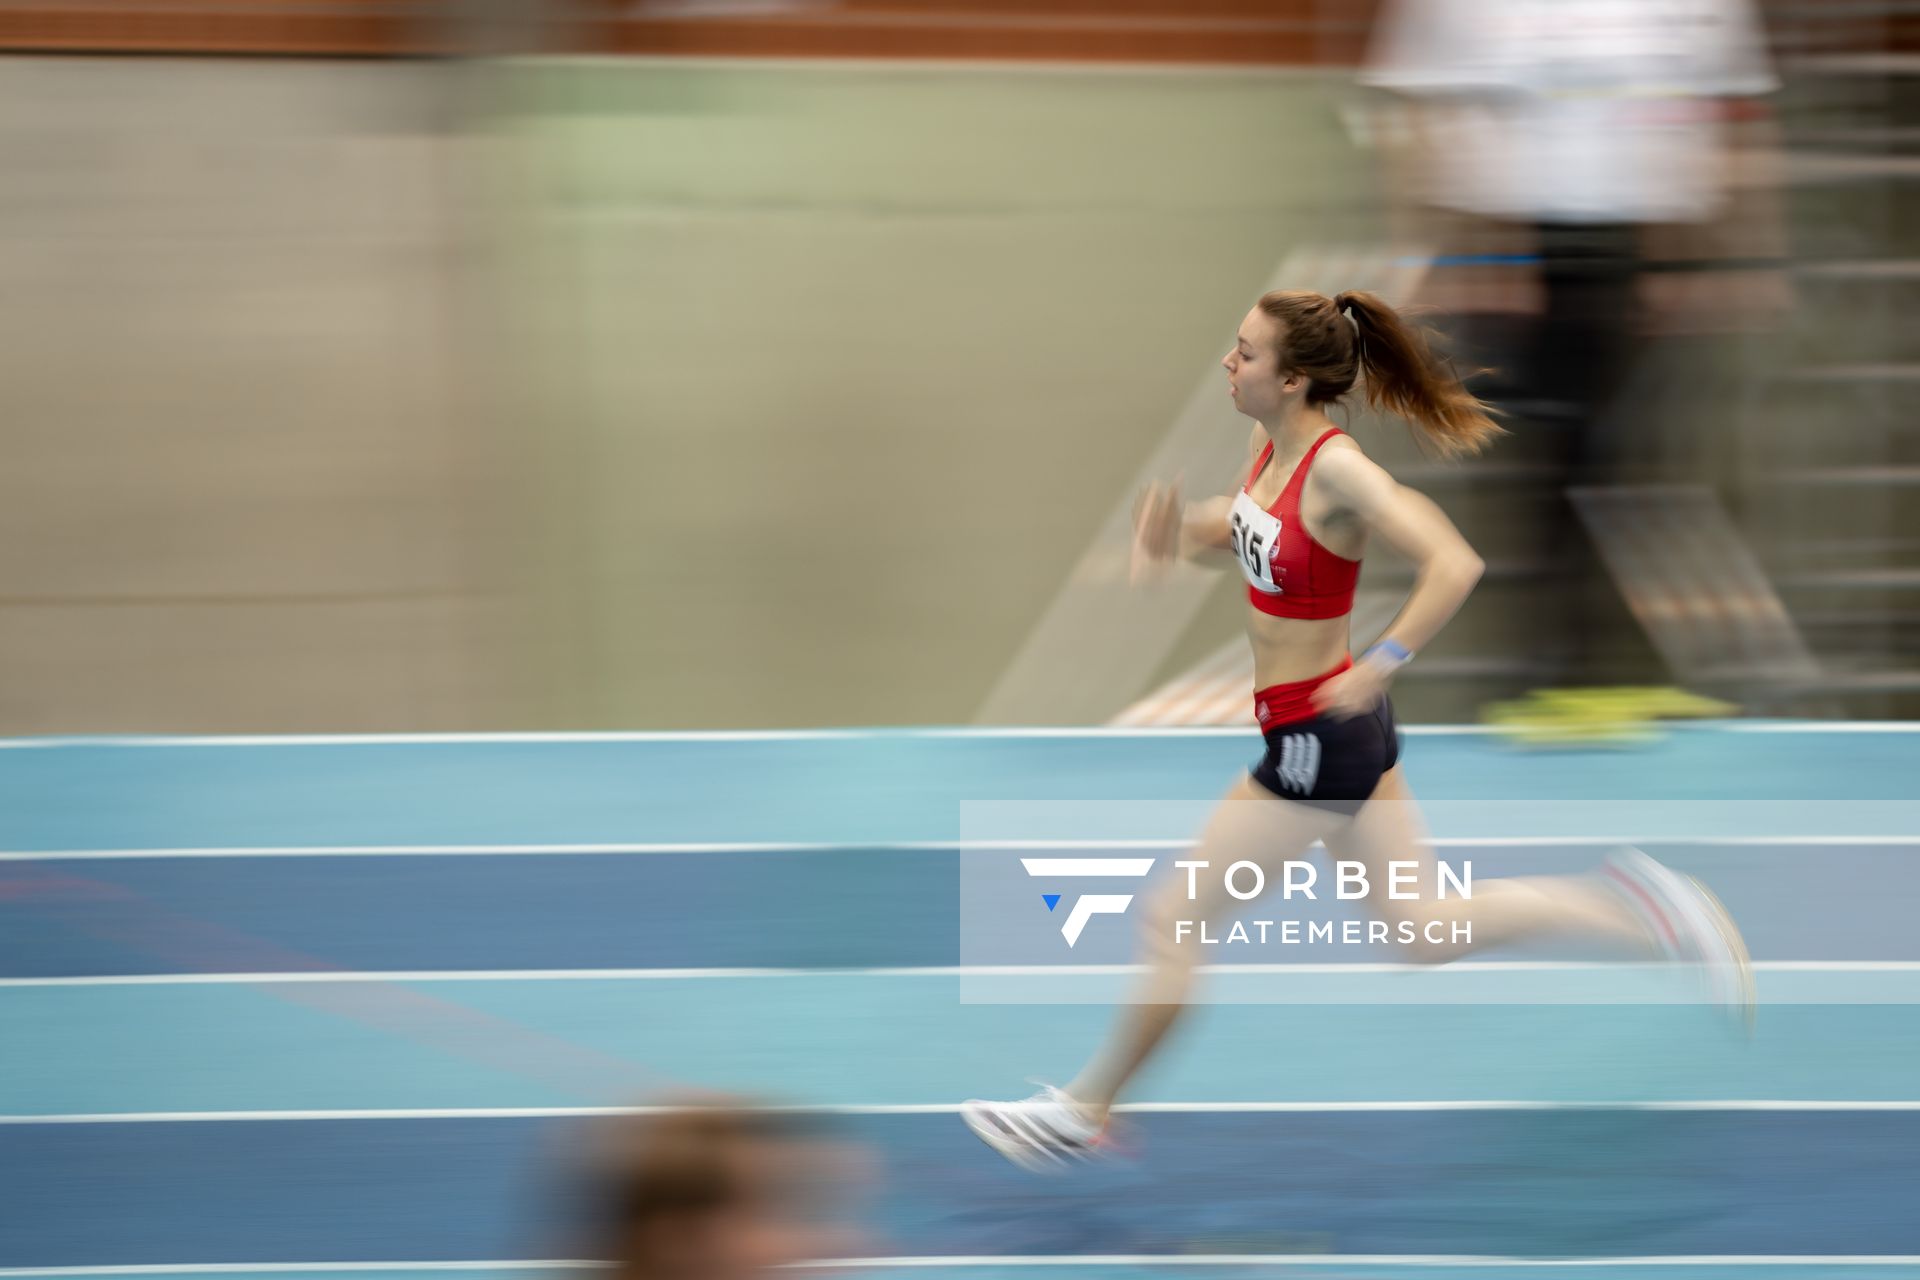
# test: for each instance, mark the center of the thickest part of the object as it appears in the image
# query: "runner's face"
(1255, 379)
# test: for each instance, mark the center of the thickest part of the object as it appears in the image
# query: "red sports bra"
(1288, 574)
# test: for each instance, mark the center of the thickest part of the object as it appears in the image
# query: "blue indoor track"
(335, 1006)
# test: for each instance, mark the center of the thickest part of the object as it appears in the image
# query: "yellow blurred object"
(1677, 704)
(1617, 716)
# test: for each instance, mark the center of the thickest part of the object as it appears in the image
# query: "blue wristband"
(1389, 653)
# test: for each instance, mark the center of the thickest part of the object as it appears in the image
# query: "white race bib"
(1256, 532)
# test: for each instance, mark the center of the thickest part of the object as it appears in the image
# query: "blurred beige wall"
(415, 396)
(841, 367)
(238, 491)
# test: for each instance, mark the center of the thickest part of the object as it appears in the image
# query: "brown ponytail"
(1404, 376)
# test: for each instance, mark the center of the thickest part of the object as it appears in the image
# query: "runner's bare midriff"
(1286, 650)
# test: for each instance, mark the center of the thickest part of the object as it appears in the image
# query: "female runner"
(1297, 530)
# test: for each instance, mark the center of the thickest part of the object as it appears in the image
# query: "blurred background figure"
(714, 1190)
(1564, 158)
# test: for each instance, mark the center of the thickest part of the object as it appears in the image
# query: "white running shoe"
(1045, 1133)
(1689, 926)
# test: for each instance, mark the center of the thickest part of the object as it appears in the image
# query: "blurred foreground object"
(714, 1189)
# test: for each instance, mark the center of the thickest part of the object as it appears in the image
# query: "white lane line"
(1047, 1260)
(1170, 1261)
(993, 1261)
(1813, 726)
(1470, 968)
(882, 734)
(1069, 868)
(1177, 1260)
(291, 1268)
(643, 848)
(714, 736)
(294, 1268)
(546, 850)
(951, 1108)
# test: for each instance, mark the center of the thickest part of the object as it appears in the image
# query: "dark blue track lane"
(1534, 1184)
(858, 908)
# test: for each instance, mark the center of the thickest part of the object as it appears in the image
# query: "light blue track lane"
(852, 790)
(850, 1040)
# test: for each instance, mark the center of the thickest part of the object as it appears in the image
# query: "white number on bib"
(1255, 532)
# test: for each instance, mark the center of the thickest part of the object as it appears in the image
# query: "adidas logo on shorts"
(1299, 766)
